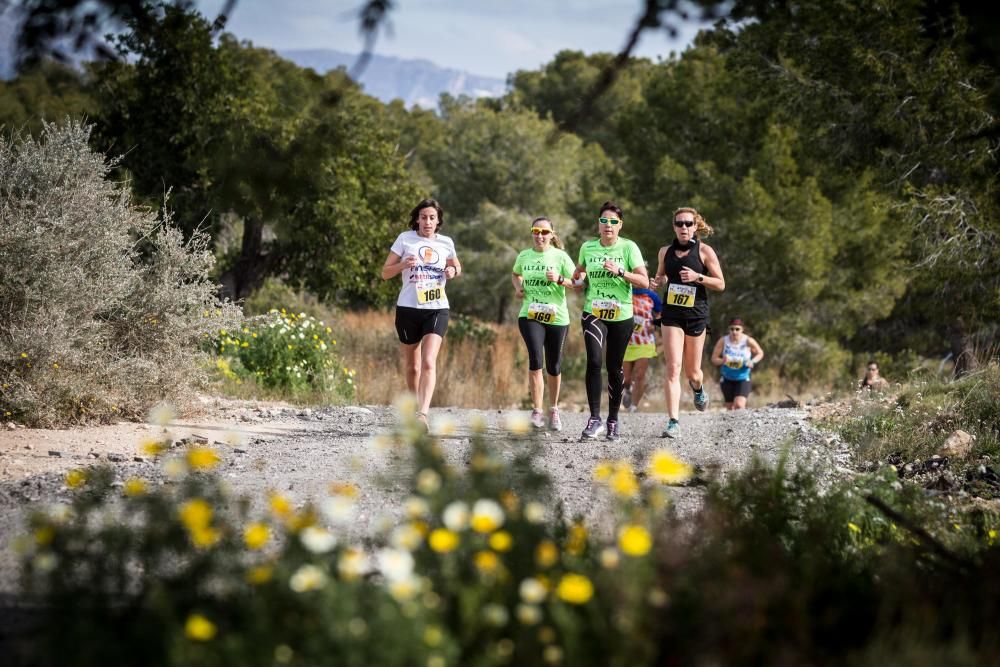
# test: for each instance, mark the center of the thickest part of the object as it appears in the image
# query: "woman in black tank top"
(687, 269)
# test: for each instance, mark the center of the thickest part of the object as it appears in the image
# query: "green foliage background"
(845, 153)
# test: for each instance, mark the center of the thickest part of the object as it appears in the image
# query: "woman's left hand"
(689, 276)
(611, 266)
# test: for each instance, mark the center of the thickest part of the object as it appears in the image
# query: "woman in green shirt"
(540, 276)
(612, 266)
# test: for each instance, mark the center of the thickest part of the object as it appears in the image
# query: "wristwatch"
(701, 277)
(621, 272)
(559, 281)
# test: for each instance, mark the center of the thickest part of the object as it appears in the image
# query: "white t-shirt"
(424, 285)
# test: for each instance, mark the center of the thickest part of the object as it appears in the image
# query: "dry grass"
(472, 374)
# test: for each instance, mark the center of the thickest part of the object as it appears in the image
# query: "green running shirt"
(612, 294)
(544, 301)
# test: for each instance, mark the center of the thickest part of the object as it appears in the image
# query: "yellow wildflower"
(576, 541)
(433, 636)
(76, 478)
(202, 458)
(486, 562)
(634, 540)
(344, 489)
(546, 554)
(204, 536)
(501, 541)
(575, 588)
(603, 471)
(255, 535)
(195, 513)
(623, 482)
(44, 535)
(280, 505)
(487, 516)
(260, 574)
(443, 540)
(855, 528)
(134, 487)
(667, 469)
(198, 628)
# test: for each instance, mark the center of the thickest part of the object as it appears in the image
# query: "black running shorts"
(691, 327)
(412, 324)
(733, 388)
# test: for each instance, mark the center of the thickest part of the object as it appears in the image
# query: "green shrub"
(289, 352)
(103, 304)
(924, 414)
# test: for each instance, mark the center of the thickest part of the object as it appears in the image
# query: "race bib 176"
(605, 309)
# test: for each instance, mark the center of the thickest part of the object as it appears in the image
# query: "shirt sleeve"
(657, 302)
(580, 261)
(397, 246)
(451, 250)
(634, 256)
(517, 264)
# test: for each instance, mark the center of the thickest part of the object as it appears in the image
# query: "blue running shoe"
(700, 398)
(673, 429)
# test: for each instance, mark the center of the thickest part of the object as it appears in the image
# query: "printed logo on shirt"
(427, 254)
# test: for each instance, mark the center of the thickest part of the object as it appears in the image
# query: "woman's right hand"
(411, 261)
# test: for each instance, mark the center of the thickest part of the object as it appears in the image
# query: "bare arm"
(518, 285)
(456, 267)
(717, 353)
(661, 271)
(712, 278)
(394, 265)
(757, 350)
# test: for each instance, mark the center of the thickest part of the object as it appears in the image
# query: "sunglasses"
(684, 223)
(609, 221)
(540, 231)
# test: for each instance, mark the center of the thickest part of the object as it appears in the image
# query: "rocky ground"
(300, 452)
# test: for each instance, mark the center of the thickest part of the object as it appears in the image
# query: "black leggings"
(597, 335)
(548, 336)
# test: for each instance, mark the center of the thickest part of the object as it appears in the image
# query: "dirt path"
(301, 452)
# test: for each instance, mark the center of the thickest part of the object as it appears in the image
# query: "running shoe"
(612, 430)
(537, 419)
(700, 398)
(673, 429)
(593, 426)
(632, 408)
(627, 397)
(555, 423)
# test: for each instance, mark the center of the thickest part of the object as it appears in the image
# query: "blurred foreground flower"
(307, 578)
(162, 414)
(198, 628)
(634, 540)
(575, 588)
(487, 516)
(665, 468)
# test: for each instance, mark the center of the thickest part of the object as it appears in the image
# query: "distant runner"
(646, 307)
(612, 266)
(540, 276)
(736, 354)
(426, 260)
(687, 268)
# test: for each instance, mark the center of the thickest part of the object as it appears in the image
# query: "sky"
(486, 37)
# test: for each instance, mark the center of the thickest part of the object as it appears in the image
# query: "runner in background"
(646, 307)
(736, 354)
(687, 268)
(426, 260)
(540, 276)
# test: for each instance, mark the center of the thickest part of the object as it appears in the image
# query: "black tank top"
(673, 265)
